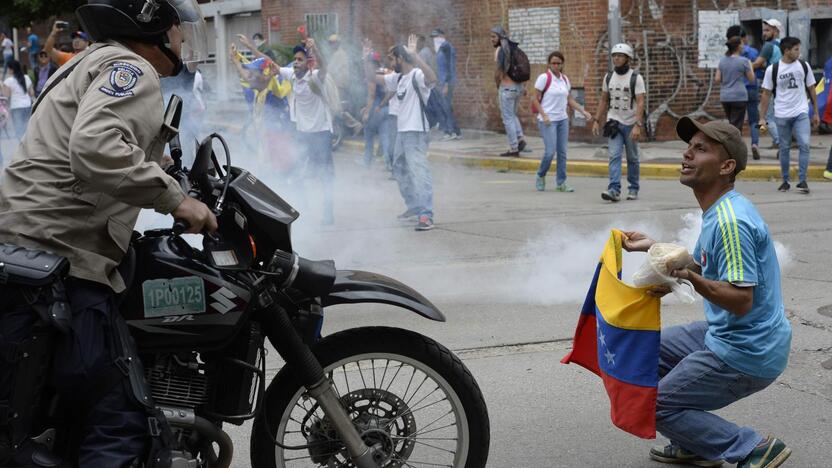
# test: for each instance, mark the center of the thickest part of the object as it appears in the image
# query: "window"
(321, 24)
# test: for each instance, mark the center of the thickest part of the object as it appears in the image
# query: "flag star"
(610, 357)
(602, 338)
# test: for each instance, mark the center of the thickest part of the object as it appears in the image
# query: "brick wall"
(664, 34)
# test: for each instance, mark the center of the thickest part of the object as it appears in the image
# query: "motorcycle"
(364, 397)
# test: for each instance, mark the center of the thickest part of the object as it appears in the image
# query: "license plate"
(177, 296)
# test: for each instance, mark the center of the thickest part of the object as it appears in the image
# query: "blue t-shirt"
(34, 44)
(735, 246)
(751, 54)
(771, 52)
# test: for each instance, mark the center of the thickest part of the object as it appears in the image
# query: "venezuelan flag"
(618, 338)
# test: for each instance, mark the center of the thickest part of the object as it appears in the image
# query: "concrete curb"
(593, 168)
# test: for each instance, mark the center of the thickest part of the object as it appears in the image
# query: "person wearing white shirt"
(8, 52)
(622, 100)
(412, 82)
(18, 89)
(550, 100)
(309, 110)
(791, 85)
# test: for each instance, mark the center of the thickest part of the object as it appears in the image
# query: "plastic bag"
(655, 271)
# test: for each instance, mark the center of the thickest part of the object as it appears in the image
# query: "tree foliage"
(21, 13)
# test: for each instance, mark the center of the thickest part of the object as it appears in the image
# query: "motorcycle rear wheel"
(405, 392)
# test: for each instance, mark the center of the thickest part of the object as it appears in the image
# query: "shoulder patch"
(123, 78)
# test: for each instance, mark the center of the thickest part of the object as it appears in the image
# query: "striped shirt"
(734, 246)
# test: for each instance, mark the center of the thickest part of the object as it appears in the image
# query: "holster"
(40, 275)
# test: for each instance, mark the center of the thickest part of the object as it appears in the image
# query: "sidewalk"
(659, 160)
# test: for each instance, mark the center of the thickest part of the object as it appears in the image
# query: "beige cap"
(719, 130)
(774, 24)
(333, 38)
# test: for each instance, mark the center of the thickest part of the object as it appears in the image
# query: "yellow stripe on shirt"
(738, 249)
(726, 244)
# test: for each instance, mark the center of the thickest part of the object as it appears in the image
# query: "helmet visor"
(193, 29)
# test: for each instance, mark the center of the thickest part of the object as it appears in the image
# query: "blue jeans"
(555, 137)
(828, 161)
(753, 110)
(392, 137)
(20, 118)
(617, 144)
(509, 98)
(6, 59)
(693, 381)
(801, 127)
(412, 171)
(376, 125)
(317, 152)
(448, 124)
(772, 129)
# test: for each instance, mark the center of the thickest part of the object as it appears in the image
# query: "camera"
(62, 25)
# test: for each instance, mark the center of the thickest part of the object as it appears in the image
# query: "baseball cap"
(437, 32)
(81, 35)
(774, 24)
(333, 38)
(719, 130)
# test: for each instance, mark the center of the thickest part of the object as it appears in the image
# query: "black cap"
(437, 32)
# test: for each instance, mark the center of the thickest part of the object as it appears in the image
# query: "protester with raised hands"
(412, 81)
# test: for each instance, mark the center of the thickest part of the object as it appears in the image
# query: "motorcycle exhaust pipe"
(210, 433)
(213, 434)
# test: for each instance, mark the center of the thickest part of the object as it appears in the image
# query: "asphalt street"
(509, 266)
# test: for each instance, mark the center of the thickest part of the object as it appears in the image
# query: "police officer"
(88, 163)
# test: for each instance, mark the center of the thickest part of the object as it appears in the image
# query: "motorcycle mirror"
(201, 169)
(170, 129)
(173, 115)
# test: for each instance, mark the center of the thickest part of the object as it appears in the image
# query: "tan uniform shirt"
(88, 163)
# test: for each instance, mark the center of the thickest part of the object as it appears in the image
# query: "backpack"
(429, 113)
(534, 108)
(776, 67)
(519, 68)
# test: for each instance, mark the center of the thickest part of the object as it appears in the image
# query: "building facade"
(678, 43)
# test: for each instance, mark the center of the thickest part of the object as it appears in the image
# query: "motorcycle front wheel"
(407, 395)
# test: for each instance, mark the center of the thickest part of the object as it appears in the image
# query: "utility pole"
(614, 23)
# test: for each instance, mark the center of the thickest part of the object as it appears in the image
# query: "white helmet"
(622, 49)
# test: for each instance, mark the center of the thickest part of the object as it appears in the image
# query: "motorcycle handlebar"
(180, 226)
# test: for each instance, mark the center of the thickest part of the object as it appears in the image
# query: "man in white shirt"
(623, 95)
(8, 52)
(789, 81)
(412, 82)
(309, 110)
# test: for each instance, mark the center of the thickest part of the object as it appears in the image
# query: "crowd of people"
(23, 80)
(309, 103)
(407, 90)
(772, 82)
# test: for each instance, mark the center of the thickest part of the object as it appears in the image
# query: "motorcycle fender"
(353, 287)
